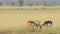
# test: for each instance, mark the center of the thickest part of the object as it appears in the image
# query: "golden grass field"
(15, 20)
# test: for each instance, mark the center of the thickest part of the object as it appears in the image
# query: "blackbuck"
(47, 23)
(38, 24)
(33, 23)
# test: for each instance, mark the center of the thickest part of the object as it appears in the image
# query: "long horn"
(36, 23)
(40, 24)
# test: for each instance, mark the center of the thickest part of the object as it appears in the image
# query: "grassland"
(14, 21)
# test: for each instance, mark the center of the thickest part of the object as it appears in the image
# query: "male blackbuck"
(47, 23)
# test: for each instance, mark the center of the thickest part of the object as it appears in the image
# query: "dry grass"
(14, 21)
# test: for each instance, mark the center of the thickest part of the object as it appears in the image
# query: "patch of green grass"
(32, 30)
(52, 33)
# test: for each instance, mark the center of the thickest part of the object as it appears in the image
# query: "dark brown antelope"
(47, 23)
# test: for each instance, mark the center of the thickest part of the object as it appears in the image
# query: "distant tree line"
(21, 2)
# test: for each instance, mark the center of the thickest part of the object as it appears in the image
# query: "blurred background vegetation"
(29, 2)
